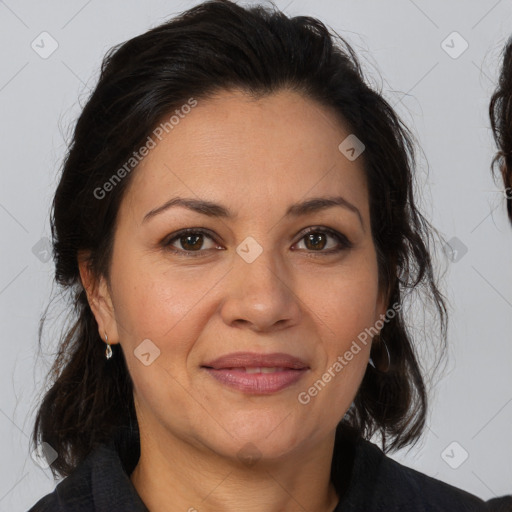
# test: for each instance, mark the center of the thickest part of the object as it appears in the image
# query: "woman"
(236, 218)
(500, 112)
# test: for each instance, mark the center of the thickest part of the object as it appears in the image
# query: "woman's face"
(247, 279)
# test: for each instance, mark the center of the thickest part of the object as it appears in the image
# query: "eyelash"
(343, 241)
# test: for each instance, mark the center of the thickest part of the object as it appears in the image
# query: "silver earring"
(108, 351)
(383, 368)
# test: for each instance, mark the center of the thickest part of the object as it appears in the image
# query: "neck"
(175, 476)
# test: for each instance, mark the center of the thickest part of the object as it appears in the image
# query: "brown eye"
(317, 239)
(189, 241)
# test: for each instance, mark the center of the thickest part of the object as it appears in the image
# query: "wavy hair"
(215, 46)
(500, 113)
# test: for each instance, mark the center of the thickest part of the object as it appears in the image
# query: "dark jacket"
(375, 483)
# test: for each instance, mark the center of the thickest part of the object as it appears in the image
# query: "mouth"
(254, 373)
(275, 360)
(253, 369)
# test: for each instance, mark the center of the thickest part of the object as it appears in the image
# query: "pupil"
(315, 241)
(195, 245)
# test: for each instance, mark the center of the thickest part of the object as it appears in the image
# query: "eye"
(191, 241)
(316, 240)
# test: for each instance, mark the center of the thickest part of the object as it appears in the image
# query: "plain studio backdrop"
(437, 64)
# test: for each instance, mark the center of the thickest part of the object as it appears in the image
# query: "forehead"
(243, 151)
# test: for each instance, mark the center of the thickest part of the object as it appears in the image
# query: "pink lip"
(230, 371)
(255, 360)
(256, 383)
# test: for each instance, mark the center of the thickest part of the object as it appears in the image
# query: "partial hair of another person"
(216, 46)
(500, 113)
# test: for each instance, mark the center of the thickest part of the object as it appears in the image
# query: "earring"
(108, 351)
(376, 353)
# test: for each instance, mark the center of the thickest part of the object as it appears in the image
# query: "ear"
(382, 304)
(99, 298)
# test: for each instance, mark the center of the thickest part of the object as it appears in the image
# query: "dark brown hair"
(212, 47)
(500, 112)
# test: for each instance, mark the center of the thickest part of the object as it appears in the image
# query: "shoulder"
(99, 483)
(427, 492)
(387, 485)
(74, 492)
(48, 503)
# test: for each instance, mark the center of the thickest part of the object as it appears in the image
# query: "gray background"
(444, 101)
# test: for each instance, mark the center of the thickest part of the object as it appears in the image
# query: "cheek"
(171, 310)
(344, 302)
(152, 302)
(344, 308)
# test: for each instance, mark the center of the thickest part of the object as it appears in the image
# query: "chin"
(267, 437)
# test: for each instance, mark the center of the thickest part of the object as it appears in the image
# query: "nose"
(260, 295)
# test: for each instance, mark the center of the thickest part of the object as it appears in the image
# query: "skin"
(256, 158)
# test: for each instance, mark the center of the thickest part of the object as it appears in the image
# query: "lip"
(229, 370)
(257, 360)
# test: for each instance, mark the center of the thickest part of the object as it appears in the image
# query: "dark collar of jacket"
(376, 483)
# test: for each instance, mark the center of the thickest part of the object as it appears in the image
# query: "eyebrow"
(211, 209)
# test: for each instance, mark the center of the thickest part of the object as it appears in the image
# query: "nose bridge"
(260, 265)
(260, 292)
